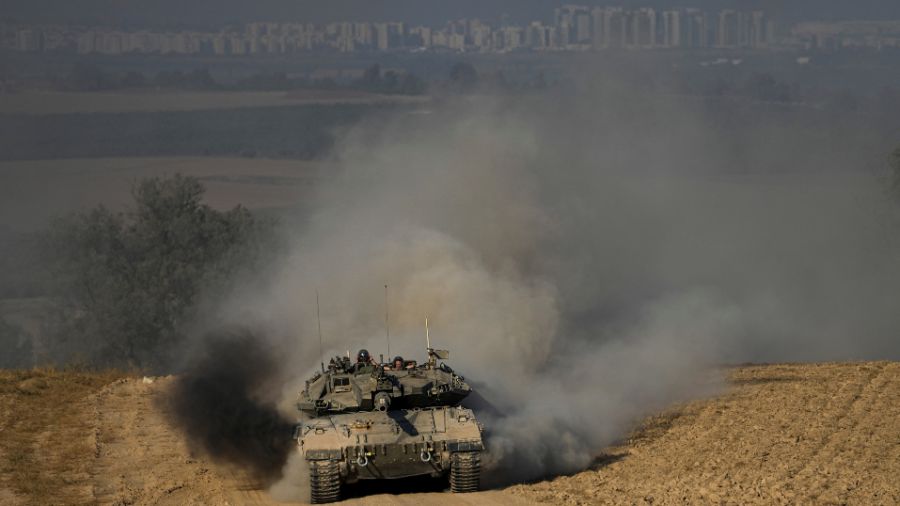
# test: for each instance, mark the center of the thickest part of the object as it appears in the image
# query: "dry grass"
(781, 434)
(47, 430)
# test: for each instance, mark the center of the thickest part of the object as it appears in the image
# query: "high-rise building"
(762, 30)
(615, 27)
(598, 33)
(29, 40)
(583, 27)
(573, 24)
(727, 29)
(479, 34)
(643, 28)
(457, 41)
(363, 36)
(513, 37)
(671, 29)
(696, 29)
(421, 36)
(382, 38)
(221, 45)
(537, 35)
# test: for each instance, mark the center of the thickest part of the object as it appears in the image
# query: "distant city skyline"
(206, 14)
(572, 28)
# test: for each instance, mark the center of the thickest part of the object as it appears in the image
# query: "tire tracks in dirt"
(140, 458)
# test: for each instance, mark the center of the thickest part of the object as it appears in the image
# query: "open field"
(59, 186)
(36, 102)
(781, 434)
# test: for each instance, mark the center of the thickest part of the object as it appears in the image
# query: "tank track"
(465, 472)
(324, 481)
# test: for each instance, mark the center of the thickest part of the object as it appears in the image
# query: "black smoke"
(223, 403)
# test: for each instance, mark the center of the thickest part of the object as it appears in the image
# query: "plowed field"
(781, 434)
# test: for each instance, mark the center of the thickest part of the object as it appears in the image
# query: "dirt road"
(782, 434)
(141, 460)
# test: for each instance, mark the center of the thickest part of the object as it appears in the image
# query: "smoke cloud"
(222, 403)
(587, 260)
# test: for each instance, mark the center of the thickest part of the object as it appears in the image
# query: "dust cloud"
(587, 260)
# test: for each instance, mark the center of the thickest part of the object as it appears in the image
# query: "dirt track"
(824, 434)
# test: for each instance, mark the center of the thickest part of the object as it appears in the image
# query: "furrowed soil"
(780, 434)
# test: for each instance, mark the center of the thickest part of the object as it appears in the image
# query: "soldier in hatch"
(364, 363)
(399, 363)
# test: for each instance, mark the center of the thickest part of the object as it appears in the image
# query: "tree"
(463, 77)
(764, 87)
(127, 284)
(200, 79)
(895, 172)
(16, 345)
(169, 79)
(88, 77)
(391, 82)
(412, 85)
(134, 80)
(371, 79)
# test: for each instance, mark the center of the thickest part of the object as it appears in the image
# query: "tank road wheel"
(465, 472)
(324, 481)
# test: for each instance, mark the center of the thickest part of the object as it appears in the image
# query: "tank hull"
(391, 444)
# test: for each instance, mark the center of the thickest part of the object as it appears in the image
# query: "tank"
(374, 421)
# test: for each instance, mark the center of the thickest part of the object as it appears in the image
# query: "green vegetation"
(16, 346)
(895, 172)
(90, 77)
(389, 82)
(126, 285)
(373, 80)
(463, 77)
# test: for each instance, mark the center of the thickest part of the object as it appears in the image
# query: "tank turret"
(344, 387)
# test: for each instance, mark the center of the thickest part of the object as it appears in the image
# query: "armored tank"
(371, 421)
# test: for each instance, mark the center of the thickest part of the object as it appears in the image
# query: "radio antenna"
(319, 323)
(432, 357)
(387, 322)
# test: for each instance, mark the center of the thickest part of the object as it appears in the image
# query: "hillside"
(812, 433)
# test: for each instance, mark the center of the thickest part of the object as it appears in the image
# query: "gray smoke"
(587, 260)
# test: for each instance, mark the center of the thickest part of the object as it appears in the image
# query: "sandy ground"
(150, 100)
(782, 434)
(141, 460)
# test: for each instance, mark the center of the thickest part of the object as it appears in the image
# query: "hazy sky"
(217, 12)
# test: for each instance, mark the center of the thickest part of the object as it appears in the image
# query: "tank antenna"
(319, 323)
(387, 324)
(432, 358)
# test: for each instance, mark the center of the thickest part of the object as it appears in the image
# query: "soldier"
(399, 363)
(364, 363)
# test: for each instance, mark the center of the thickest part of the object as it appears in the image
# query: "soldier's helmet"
(363, 356)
